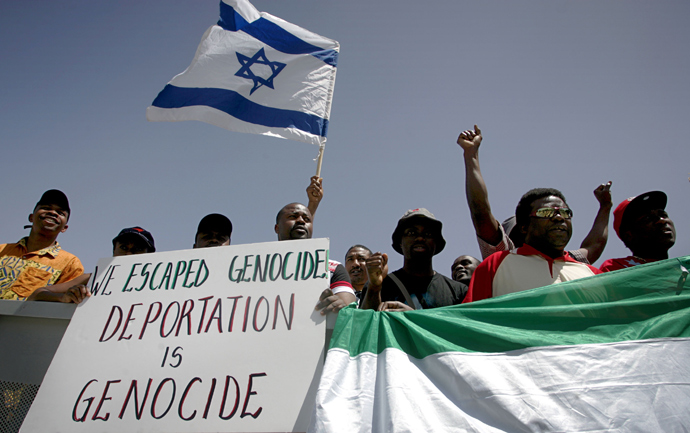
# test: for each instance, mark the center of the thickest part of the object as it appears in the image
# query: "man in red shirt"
(644, 227)
(543, 216)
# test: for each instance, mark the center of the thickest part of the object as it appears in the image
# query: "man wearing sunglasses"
(644, 227)
(545, 219)
(493, 237)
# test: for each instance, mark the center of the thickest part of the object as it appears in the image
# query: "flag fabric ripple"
(255, 73)
(605, 353)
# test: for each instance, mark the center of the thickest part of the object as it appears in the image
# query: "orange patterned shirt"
(22, 272)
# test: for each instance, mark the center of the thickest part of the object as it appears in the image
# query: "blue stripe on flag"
(273, 35)
(236, 105)
(229, 19)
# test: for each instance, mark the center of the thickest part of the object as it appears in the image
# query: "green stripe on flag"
(633, 304)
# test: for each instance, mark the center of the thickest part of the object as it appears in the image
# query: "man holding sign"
(294, 221)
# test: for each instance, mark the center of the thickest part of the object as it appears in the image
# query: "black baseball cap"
(54, 196)
(137, 232)
(215, 222)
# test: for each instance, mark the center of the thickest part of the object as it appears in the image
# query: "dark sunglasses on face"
(550, 212)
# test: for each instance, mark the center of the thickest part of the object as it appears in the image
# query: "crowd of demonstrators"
(527, 250)
(418, 237)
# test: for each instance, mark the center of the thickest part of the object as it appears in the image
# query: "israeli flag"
(255, 73)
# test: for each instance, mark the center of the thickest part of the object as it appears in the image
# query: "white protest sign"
(222, 339)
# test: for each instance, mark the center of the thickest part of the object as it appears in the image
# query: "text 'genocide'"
(228, 399)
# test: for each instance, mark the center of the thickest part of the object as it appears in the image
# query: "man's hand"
(394, 306)
(329, 303)
(75, 294)
(377, 268)
(470, 140)
(603, 194)
(314, 194)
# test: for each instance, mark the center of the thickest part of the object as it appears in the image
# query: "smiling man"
(294, 221)
(416, 285)
(545, 219)
(462, 269)
(31, 266)
(645, 228)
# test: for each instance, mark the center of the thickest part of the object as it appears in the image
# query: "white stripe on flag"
(627, 386)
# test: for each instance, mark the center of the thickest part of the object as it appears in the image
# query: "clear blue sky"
(569, 94)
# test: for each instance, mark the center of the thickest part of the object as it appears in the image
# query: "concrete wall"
(30, 333)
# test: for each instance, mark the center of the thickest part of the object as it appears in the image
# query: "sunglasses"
(550, 212)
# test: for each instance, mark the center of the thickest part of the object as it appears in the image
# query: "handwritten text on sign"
(217, 339)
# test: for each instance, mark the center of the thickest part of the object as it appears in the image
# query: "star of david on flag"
(260, 59)
(255, 73)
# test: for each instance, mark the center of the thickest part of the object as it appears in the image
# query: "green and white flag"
(605, 353)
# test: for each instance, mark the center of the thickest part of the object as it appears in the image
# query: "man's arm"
(314, 194)
(332, 303)
(593, 245)
(73, 291)
(339, 295)
(394, 306)
(377, 268)
(485, 224)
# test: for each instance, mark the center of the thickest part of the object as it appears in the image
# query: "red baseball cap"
(634, 206)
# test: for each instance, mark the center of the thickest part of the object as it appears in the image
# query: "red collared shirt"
(523, 269)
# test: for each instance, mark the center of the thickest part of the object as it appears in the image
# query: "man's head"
(133, 240)
(418, 234)
(50, 214)
(214, 230)
(356, 265)
(544, 217)
(463, 267)
(294, 222)
(644, 226)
